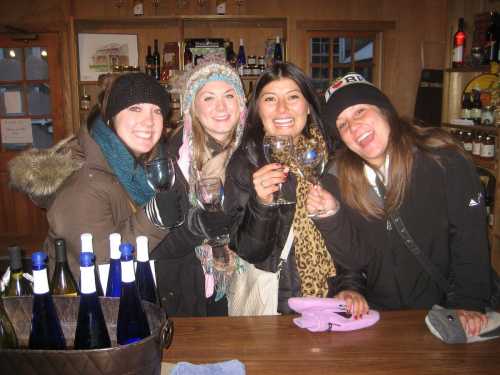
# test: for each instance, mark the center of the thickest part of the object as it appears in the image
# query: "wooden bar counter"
(399, 343)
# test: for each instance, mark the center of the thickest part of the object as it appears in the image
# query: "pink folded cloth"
(328, 314)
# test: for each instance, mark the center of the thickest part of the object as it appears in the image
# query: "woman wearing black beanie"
(403, 187)
(95, 182)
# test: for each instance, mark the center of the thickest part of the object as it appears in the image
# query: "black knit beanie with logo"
(135, 88)
(347, 91)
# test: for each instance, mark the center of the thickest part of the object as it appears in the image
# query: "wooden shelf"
(489, 165)
(471, 69)
(481, 128)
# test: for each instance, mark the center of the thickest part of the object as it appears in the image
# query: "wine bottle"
(143, 274)
(18, 284)
(241, 58)
(491, 44)
(63, 282)
(220, 6)
(132, 322)
(46, 332)
(114, 285)
(188, 56)
(278, 52)
(91, 331)
(156, 62)
(138, 8)
(458, 45)
(86, 239)
(149, 63)
(8, 338)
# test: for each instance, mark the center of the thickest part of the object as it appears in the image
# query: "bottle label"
(458, 54)
(128, 274)
(40, 281)
(139, 9)
(88, 280)
(487, 151)
(476, 149)
(468, 146)
(221, 7)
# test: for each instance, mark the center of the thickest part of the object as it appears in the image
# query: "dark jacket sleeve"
(468, 241)
(254, 224)
(346, 279)
(343, 241)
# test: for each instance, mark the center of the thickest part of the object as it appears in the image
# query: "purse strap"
(409, 242)
(286, 250)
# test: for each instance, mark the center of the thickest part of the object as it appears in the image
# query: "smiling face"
(217, 108)
(365, 131)
(283, 108)
(139, 127)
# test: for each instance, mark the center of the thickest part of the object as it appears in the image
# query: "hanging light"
(43, 53)
(12, 53)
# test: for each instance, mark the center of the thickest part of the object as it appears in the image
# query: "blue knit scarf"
(130, 174)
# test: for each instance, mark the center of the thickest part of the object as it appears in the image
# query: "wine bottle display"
(156, 62)
(114, 285)
(46, 332)
(459, 45)
(86, 240)
(143, 273)
(63, 282)
(149, 63)
(18, 284)
(91, 331)
(278, 51)
(132, 322)
(8, 338)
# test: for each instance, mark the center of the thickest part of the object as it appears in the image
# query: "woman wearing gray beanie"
(95, 182)
(412, 214)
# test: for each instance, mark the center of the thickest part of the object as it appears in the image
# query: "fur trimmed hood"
(40, 172)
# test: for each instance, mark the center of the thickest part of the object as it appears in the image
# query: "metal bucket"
(143, 357)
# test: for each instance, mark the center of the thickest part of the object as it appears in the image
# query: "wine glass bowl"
(160, 174)
(311, 161)
(278, 149)
(210, 194)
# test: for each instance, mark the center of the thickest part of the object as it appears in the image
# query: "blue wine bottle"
(143, 274)
(86, 240)
(241, 58)
(91, 331)
(46, 332)
(278, 52)
(132, 322)
(114, 285)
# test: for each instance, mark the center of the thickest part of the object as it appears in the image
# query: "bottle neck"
(87, 280)
(128, 274)
(40, 281)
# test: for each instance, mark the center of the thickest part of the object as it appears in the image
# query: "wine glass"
(311, 161)
(278, 149)
(160, 174)
(210, 197)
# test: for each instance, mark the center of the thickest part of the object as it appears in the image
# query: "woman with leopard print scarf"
(284, 103)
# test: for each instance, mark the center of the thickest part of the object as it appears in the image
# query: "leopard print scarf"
(314, 262)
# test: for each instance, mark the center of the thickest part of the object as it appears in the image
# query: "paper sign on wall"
(16, 130)
(12, 101)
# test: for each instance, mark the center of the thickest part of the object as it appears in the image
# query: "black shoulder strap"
(425, 262)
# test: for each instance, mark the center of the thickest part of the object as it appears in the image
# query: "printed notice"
(12, 101)
(16, 130)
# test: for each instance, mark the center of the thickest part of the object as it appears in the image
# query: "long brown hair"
(404, 139)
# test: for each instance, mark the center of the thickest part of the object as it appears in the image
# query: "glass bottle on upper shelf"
(241, 59)
(156, 61)
(63, 282)
(149, 63)
(278, 52)
(459, 45)
(18, 284)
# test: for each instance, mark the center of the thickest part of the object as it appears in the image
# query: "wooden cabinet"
(254, 30)
(455, 80)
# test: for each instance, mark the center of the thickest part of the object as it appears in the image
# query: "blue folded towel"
(233, 367)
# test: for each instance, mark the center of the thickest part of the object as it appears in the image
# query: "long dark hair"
(254, 129)
(404, 138)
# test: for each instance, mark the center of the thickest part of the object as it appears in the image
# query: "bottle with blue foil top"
(143, 274)
(46, 332)
(91, 331)
(87, 247)
(132, 322)
(114, 285)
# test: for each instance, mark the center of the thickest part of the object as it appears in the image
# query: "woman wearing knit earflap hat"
(390, 172)
(192, 274)
(95, 182)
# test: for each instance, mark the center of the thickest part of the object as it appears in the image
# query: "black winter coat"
(260, 231)
(445, 214)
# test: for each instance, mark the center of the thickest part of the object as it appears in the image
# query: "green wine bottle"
(8, 338)
(63, 282)
(18, 284)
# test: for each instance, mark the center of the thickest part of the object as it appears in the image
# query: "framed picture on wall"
(99, 53)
